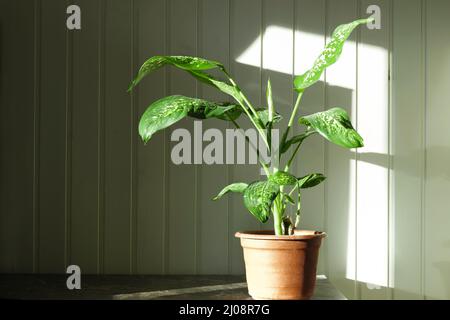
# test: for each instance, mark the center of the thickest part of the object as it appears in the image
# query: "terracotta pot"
(281, 267)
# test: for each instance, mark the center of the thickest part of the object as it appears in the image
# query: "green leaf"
(329, 55)
(283, 178)
(207, 110)
(294, 140)
(258, 198)
(310, 180)
(183, 62)
(234, 187)
(222, 86)
(334, 125)
(162, 114)
(288, 198)
(263, 117)
(169, 110)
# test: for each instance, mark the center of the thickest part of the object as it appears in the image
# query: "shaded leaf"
(169, 110)
(329, 55)
(162, 114)
(334, 125)
(222, 86)
(234, 187)
(263, 117)
(258, 198)
(294, 140)
(183, 62)
(311, 180)
(207, 110)
(288, 198)
(283, 178)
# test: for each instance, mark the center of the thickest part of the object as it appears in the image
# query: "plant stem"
(250, 106)
(299, 206)
(277, 218)
(266, 169)
(291, 119)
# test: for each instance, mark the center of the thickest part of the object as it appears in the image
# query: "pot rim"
(270, 235)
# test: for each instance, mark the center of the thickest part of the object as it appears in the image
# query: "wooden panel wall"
(78, 186)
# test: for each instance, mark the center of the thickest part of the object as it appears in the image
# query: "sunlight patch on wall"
(373, 179)
(367, 238)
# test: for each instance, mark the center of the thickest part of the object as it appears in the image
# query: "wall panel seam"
(165, 246)
(391, 177)
(101, 140)
(424, 90)
(36, 132)
(325, 155)
(133, 139)
(197, 168)
(68, 146)
(230, 169)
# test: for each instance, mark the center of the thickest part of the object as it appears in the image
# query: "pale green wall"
(78, 187)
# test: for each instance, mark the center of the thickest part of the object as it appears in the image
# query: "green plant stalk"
(250, 106)
(266, 169)
(291, 121)
(299, 206)
(278, 205)
(277, 217)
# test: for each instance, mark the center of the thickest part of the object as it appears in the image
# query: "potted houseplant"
(280, 264)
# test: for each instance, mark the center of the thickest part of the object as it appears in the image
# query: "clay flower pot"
(281, 267)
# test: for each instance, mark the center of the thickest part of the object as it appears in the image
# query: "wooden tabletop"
(123, 287)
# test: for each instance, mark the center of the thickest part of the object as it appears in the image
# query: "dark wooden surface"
(140, 287)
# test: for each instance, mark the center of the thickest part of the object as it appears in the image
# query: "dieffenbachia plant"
(270, 196)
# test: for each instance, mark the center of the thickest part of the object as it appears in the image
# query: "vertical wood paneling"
(277, 64)
(408, 147)
(16, 137)
(52, 139)
(437, 217)
(84, 197)
(277, 55)
(151, 157)
(340, 186)
(118, 121)
(245, 39)
(183, 209)
(309, 42)
(108, 203)
(213, 234)
(373, 159)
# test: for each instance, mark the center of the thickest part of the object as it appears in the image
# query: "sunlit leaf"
(234, 187)
(329, 55)
(283, 178)
(334, 125)
(258, 198)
